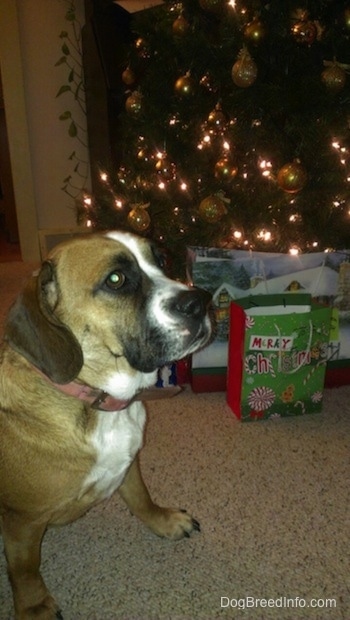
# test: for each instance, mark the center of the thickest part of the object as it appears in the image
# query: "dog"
(82, 343)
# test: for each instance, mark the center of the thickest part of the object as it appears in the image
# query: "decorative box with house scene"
(232, 274)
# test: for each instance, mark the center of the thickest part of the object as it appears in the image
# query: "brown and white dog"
(85, 336)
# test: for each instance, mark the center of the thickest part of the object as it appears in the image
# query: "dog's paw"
(173, 524)
(47, 610)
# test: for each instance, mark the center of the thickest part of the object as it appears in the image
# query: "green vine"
(74, 184)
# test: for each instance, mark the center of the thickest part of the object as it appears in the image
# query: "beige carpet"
(272, 499)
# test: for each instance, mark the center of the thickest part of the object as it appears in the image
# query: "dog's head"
(102, 302)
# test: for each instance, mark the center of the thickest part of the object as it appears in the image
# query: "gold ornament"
(304, 32)
(216, 118)
(184, 86)
(212, 209)
(139, 218)
(244, 71)
(334, 76)
(143, 154)
(165, 168)
(255, 31)
(225, 170)
(180, 26)
(133, 104)
(212, 6)
(292, 177)
(128, 76)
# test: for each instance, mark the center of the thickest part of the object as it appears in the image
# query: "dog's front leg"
(22, 544)
(166, 522)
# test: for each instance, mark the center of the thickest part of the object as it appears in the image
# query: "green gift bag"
(277, 356)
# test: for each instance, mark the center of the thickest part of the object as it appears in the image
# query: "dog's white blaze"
(116, 440)
(132, 243)
(157, 307)
(166, 288)
(123, 386)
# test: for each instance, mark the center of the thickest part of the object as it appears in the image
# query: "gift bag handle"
(308, 349)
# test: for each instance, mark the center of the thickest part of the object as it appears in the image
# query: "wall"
(39, 142)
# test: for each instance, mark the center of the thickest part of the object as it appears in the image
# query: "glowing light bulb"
(265, 166)
(264, 235)
(294, 251)
(104, 176)
(183, 186)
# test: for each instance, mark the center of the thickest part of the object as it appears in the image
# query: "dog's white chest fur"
(116, 440)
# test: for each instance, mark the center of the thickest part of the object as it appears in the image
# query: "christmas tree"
(235, 130)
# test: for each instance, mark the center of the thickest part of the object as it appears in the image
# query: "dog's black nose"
(192, 303)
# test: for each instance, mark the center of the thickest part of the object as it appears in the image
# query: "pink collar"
(98, 399)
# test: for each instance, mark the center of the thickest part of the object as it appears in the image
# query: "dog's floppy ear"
(33, 330)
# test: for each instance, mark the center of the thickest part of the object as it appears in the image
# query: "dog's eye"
(115, 280)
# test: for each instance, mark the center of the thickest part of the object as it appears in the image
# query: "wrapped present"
(167, 376)
(166, 385)
(277, 357)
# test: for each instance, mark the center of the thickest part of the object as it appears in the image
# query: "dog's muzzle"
(191, 304)
(177, 324)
